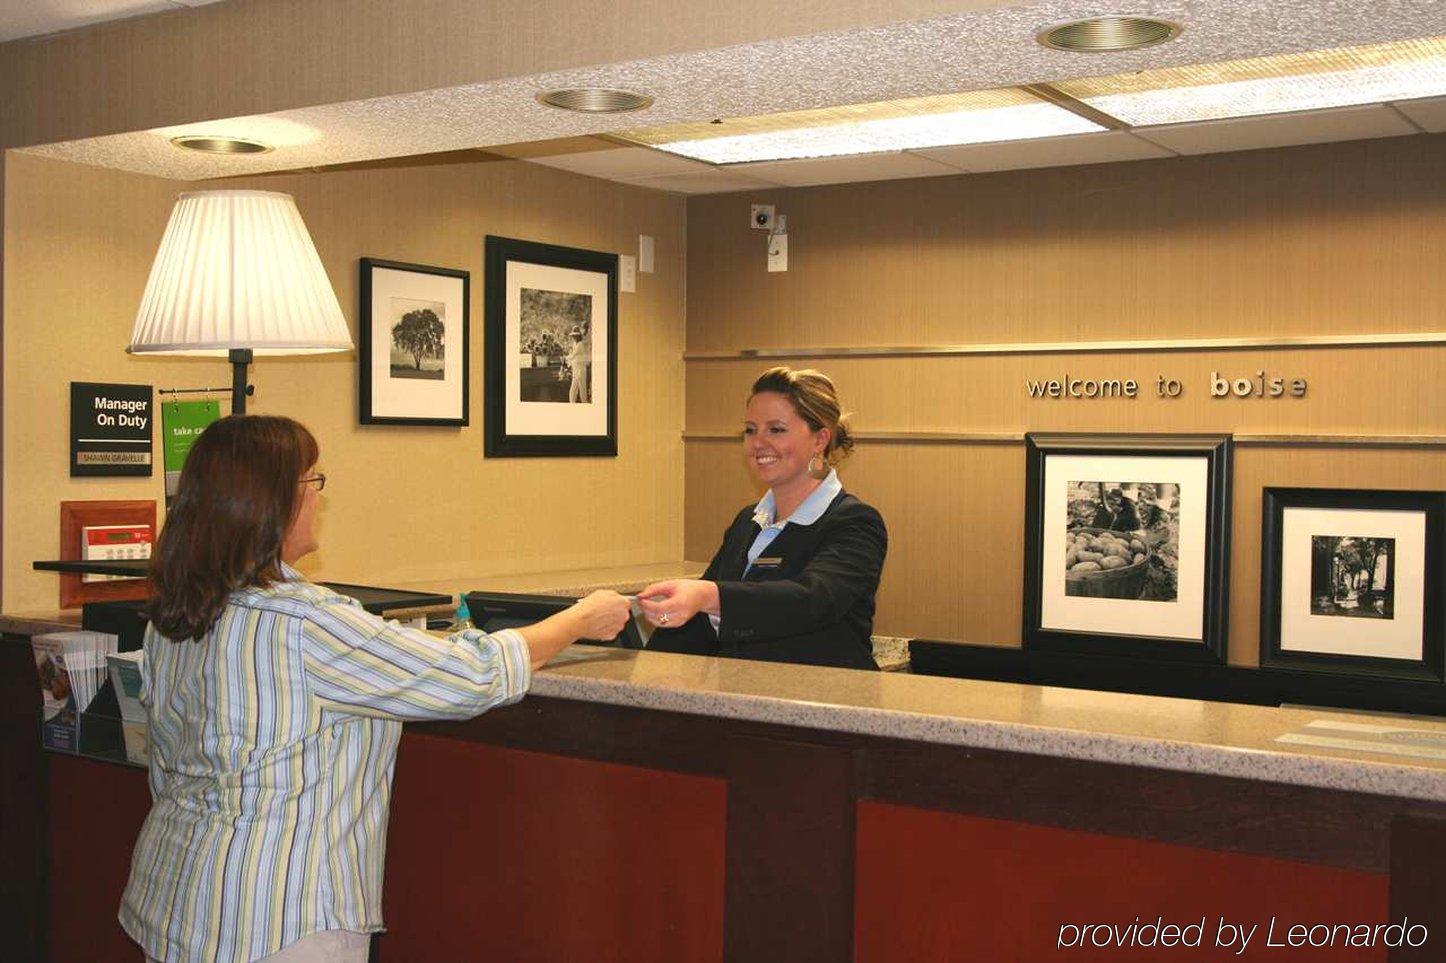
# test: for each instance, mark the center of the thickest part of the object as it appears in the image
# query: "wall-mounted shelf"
(1128, 346)
(374, 599)
(1017, 437)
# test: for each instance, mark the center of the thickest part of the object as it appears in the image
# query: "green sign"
(181, 424)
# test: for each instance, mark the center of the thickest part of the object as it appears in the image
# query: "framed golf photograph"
(412, 336)
(1127, 545)
(1351, 582)
(552, 350)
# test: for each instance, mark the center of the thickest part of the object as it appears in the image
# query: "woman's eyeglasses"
(319, 478)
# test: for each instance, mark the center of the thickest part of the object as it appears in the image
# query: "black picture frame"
(1431, 665)
(504, 436)
(381, 404)
(1216, 452)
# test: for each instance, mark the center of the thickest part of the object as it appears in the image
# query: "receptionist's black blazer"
(808, 599)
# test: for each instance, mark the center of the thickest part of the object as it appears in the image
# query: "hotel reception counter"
(642, 806)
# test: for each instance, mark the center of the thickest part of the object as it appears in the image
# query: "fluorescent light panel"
(1344, 77)
(972, 118)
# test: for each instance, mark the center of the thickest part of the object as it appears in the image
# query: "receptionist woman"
(795, 577)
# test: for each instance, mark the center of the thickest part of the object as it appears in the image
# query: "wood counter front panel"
(944, 886)
(502, 854)
(95, 811)
(565, 830)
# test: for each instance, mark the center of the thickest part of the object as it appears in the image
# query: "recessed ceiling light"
(595, 100)
(1374, 74)
(207, 144)
(971, 118)
(1108, 34)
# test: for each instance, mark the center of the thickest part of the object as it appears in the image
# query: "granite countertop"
(891, 654)
(573, 582)
(1390, 755)
(1286, 745)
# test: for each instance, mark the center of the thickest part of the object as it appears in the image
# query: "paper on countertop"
(1362, 737)
(645, 628)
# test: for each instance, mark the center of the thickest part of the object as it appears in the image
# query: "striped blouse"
(272, 746)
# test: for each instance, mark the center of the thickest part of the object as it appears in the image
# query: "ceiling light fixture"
(1345, 77)
(595, 100)
(210, 144)
(971, 118)
(1108, 34)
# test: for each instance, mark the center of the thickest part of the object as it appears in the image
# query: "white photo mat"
(415, 397)
(1400, 637)
(550, 418)
(1183, 618)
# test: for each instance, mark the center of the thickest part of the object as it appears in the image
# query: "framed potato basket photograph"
(1127, 545)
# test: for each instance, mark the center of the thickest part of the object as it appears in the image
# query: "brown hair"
(237, 497)
(814, 397)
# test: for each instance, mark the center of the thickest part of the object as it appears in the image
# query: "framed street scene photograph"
(1351, 582)
(552, 359)
(412, 335)
(1127, 544)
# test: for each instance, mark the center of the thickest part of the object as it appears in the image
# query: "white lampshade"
(237, 269)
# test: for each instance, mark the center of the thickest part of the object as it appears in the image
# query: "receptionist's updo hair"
(237, 496)
(814, 397)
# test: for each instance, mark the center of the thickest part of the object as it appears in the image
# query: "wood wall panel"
(1335, 239)
(955, 514)
(500, 854)
(986, 889)
(1371, 391)
(88, 849)
(1308, 240)
(403, 503)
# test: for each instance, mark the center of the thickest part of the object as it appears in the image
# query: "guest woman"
(275, 709)
(795, 577)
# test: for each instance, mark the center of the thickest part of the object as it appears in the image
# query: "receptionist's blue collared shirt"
(805, 514)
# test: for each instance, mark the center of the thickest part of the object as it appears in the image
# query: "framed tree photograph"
(412, 335)
(1351, 582)
(552, 350)
(1127, 545)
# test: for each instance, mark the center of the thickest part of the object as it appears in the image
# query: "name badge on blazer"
(768, 561)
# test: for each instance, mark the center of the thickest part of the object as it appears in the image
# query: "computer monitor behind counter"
(494, 611)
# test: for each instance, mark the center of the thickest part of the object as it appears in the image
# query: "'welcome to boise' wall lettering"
(1260, 385)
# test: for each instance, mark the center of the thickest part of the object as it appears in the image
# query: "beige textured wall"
(1335, 239)
(401, 504)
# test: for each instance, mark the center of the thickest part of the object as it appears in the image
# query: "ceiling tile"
(622, 162)
(842, 170)
(708, 180)
(1048, 152)
(1430, 112)
(1279, 130)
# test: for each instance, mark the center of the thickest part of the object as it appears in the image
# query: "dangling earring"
(820, 470)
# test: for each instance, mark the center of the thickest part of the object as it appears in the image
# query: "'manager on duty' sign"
(110, 429)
